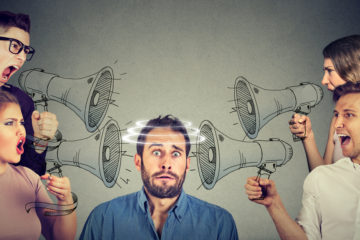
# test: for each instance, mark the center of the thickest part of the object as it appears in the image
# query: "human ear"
(137, 161)
(187, 164)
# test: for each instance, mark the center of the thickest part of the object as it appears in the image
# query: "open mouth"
(6, 74)
(344, 139)
(20, 146)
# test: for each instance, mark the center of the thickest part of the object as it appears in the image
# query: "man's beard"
(162, 191)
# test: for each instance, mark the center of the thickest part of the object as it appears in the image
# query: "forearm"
(313, 155)
(286, 227)
(64, 227)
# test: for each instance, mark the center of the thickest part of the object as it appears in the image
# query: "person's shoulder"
(325, 174)
(325, 170)
(202, 205)
(28, 175)
(116, 204)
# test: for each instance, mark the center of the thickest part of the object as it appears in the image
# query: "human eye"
(328, 70)
(9, 123)
(15, 45)
(26, 50)
(22, 123)
(156, 153)
(349, 115)
(176, 154)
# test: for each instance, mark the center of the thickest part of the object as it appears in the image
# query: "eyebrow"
(161, 145)
(345, 110)
(15, 119)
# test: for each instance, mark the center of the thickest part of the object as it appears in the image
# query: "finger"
(46, 176)
(250, 188)
(264, 182)
(302, 119)
(47, 115)
(252, 181)
(35, 115)
(252, 196)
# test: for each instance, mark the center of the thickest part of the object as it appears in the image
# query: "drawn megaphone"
(256, 106)
(243, 154)
(99, 153)
(89, 97)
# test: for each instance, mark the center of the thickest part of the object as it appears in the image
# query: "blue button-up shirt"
(128, 217)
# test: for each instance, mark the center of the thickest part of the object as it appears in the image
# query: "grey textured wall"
(182, 57)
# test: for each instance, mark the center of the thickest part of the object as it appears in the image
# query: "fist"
(44, 125)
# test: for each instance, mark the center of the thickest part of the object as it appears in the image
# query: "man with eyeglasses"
(14, 51)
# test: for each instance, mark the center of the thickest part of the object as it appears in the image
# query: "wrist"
(308, 138)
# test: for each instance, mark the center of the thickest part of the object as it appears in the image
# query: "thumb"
(35, 115)
(45, 176)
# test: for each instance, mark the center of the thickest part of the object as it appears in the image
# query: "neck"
(356, 160)
(3, 166)
(159, 208)
(160, 205)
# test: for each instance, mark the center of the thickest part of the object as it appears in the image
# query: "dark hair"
(162, 122)
(345, 55)
(347, 88)
(19, 20)
(6, 97)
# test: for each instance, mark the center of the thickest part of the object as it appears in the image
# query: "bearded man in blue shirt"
(161, 210)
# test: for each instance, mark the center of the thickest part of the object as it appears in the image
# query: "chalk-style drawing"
(99, 153)
(89, 97)
(256, 106)
(54, 209)
(258, 153)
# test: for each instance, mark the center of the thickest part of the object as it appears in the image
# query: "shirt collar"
(178, 209)
(350, 163)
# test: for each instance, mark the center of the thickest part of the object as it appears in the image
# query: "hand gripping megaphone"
(89, 97)
(212, 167)
(256, 106)
(99, 153)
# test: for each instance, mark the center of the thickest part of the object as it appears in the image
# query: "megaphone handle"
(263, 188)
(41, 106)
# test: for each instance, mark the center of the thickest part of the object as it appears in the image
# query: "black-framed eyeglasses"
(17, 46)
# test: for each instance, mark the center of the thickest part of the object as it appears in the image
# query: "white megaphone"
(256, 106)
(99, 153)
(89, 97)
(243, 154)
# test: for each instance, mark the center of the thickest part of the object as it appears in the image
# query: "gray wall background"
(182, 57)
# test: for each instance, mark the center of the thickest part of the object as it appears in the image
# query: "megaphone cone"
(89, 97)
(256, 106)
(99, 153)
(212, 167)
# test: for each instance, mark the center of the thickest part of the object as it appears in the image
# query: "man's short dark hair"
(347, 88)
(162, 122)
(19, 20)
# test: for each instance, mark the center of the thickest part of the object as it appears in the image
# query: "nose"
(166, 163)
(21, 56)
(339, 122)
(325, 80)
(20, 130)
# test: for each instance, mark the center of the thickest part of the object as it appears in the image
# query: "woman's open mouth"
(20, 146)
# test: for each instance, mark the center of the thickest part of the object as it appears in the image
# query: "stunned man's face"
(164, 164)
(347, 116)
